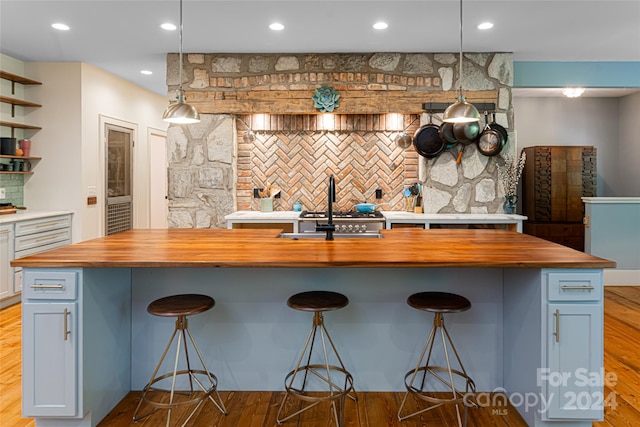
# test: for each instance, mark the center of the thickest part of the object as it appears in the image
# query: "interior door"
(119, 179)
(158, 169)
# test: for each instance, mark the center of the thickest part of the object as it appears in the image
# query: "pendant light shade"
(179, 111)
(461, 111)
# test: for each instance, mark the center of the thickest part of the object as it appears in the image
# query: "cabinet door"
(6, 255)
(49, 353)
(575, 366)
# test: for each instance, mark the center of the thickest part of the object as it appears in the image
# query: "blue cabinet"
(49, 377)
(574, 373)
(50, 341)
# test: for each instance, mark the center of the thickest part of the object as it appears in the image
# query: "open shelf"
(4, 156)
(20, 102)
(19, 125)
(18, 79)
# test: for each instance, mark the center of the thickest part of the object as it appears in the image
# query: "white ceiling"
(124, 37)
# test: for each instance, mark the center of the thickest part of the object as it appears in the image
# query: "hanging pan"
(466, 133)
(491, 140)
(427, 141)
(403, 139)
(446, 134)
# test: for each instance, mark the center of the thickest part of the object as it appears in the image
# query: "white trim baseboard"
(621, 277)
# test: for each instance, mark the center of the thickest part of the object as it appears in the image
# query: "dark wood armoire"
(554, 180)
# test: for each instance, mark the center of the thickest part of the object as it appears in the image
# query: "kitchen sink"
(314, 235)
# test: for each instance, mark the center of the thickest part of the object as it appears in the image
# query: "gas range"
(345, 221)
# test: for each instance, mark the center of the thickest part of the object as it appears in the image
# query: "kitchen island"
(536, 314)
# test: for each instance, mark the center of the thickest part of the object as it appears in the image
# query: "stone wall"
(212, 171)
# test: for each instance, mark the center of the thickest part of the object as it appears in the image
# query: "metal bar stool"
(438, 303)
(334, 377)
(180, 306)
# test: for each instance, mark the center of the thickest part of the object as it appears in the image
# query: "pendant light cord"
(460, 85)
(180, 55)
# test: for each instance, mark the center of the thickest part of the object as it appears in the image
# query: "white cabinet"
(50, 344)
(6, 255)
(26, 237)
(574, 374)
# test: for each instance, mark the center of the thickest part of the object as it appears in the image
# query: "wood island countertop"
(207, 248)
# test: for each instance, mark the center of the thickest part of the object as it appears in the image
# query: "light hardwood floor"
(622, 358)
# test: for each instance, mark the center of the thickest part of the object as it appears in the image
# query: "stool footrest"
(335, 392)
(162, 405)
(457, 397)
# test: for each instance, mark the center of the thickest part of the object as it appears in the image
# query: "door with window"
(119, 182)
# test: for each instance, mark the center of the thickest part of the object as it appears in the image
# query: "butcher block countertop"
(205, 248)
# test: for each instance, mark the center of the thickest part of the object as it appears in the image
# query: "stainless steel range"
(345, 221)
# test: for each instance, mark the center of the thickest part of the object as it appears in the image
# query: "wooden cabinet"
(554, 181)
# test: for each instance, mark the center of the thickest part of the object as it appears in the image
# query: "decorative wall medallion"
(326, 99)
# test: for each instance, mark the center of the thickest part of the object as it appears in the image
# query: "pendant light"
(461, 111)
(179, 111)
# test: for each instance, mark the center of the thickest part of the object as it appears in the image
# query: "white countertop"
(401, 215)
(263, 216)
(26, 215)
(389, 215)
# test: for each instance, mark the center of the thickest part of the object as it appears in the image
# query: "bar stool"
(180, 306)
(334, 377)
(438, 303)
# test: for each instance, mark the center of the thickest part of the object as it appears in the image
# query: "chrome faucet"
(329, 227)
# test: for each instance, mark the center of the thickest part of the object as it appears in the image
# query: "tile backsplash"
(14, 188)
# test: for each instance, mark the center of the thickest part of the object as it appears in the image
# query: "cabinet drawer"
(574, 286)
(42, 224)
(50, 285)
(42, 239)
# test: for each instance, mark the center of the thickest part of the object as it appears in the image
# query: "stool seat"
(317, 301)
(439, 302)
(181, 305)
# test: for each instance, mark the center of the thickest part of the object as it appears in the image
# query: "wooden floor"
(249, 409)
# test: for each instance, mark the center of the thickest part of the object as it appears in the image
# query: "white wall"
(74, 96)
(629, 146)
(578, 121)
(54, 184)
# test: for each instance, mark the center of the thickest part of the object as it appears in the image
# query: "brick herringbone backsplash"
(299, 163)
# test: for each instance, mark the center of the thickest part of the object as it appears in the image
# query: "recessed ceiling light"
(572, 92)
(276, 26)
(380, 25)
(61, 27)
(146, 72)
(485, 26)
(168, 26)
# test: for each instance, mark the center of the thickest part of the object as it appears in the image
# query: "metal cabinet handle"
(44, 239)
(46, 286)
(557, 325)
(573, 288)
(4, 231)
(47, 224)
(65, 326)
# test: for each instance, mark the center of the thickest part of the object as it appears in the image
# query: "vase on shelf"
(510, 201)
(25, 146)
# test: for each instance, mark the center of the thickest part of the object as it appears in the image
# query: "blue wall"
(585, 74)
